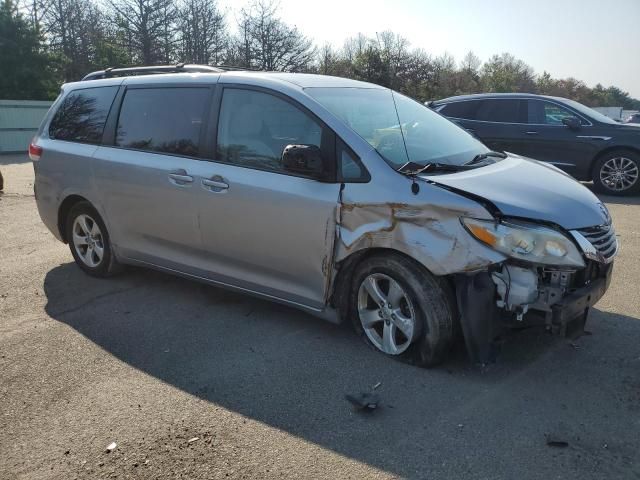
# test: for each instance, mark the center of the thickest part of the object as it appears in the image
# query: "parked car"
(635, 118)
(567, 134)
(338, 197)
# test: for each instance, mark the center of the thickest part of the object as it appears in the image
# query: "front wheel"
(402, 310)
(617, 173)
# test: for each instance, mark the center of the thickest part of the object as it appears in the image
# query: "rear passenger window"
(82, 115)
(254, 128)
(466, 110)
(502, 110)
(166, 120)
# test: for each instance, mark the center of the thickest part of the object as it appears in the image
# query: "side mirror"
(303, 160)
(572, 122)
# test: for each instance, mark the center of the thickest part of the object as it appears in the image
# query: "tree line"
(44, 43)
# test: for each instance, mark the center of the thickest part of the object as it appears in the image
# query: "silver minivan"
(342, 198)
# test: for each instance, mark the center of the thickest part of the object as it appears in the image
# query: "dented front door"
(268, 232)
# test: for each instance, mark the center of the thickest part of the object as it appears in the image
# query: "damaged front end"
(517, 293)
(506, 271)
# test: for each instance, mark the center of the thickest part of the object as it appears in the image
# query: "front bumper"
(570, 314)
(485, 313)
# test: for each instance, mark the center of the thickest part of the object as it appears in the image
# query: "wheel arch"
(63, 211)
(341, 285)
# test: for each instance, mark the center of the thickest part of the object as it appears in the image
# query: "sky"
(596, 41)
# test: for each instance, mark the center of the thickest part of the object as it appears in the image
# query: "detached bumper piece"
(569, 316)
(483, 321)
(480, 317)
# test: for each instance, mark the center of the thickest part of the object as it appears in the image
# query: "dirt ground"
(152, 362)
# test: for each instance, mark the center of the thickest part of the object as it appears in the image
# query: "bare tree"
(470, 63)
(267, 43)
(394, 51)
(203, 32)
(147, 28)
(354, 47)
(74, 31)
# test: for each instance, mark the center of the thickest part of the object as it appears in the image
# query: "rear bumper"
(47, 205)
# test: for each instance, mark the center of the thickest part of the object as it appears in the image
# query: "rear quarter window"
(82, 114)
(466, 110)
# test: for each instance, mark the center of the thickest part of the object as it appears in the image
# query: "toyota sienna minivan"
(342, 198)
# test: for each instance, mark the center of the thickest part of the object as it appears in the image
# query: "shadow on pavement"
(291, 371)
(13, 158)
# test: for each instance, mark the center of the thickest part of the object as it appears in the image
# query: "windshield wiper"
(484, 156)
(412, 169)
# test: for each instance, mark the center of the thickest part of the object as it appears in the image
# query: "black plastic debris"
(364, 401)
(556, 442)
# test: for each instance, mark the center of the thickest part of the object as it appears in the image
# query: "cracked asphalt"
(191, 381)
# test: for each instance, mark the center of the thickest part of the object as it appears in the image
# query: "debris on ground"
(111, 447)
(364, 401)
(194, 439)
(556, 442)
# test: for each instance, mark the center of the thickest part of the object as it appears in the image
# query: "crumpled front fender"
(429, 232)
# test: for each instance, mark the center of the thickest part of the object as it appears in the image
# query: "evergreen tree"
(28, 72)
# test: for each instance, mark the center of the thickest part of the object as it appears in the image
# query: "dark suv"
(567, 134)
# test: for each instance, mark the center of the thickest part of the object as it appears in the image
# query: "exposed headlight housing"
(526, 241)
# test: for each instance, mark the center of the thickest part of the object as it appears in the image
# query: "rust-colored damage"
(431, 234)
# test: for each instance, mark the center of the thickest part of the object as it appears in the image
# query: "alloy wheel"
(87, 240)
(619, 174)
(386, 314)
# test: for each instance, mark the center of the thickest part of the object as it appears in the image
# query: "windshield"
(590, 112)
(400, 129)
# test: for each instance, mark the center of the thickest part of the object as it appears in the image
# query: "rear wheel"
(89, 241)
(617, 173)
(401, 310)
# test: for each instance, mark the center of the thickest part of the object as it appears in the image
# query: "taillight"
(34, 152)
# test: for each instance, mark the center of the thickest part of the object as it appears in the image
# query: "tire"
(620, 166)
(424, 298)
(93, 255)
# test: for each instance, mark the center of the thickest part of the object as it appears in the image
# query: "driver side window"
(255, 127)
(547, 113)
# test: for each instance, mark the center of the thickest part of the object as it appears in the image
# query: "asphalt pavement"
(191, 381)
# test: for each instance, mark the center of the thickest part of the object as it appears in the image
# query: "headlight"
(524, 241)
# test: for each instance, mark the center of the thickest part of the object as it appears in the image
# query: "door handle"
(215, 184)
(531, 132)
(180, 177)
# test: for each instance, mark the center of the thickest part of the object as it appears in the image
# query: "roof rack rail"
(178, 68)
(240, 69)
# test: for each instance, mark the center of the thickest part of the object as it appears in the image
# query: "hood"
(525, 188)
(629, 127)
